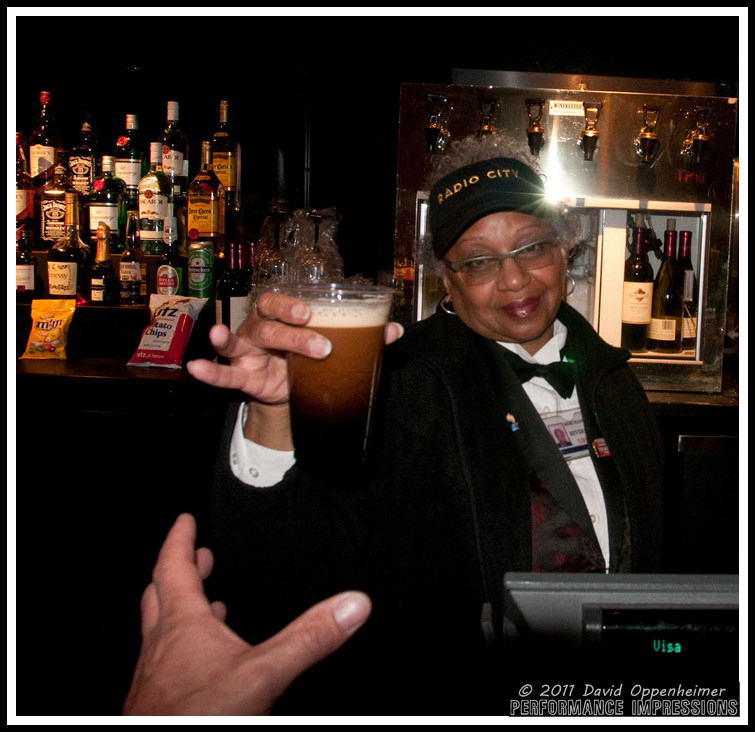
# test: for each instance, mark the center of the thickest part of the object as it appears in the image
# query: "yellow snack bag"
(50, 321)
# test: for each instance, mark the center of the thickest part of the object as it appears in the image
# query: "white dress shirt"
(262, 467)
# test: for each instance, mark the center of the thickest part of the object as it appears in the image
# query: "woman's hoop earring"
(572, 283)
(447, 306)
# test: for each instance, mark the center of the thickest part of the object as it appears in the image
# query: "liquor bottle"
(50, 204)
(133, 267)
(107, 204)
(26, 267)
(206, 204)
(44, 144)
(171, 270)
(175, 152)
(24, 192)
(665, 329)
(638, 294)
(154, 199)
(131, 163)
(82, 161)
(69, 257)
(105, 287)
(689, 290)
(226, 158)
(232, 291)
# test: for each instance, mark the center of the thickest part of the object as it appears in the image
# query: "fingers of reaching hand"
(314, 635)
(176, 577)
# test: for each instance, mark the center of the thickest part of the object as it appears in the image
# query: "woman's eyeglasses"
(479, 270)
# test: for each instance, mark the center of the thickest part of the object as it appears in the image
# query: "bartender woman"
(469, 482)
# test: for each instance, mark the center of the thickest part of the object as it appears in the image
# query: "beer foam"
(335, 315)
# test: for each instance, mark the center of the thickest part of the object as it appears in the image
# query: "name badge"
(568, 432)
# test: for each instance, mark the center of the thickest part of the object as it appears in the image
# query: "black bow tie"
(559, 374)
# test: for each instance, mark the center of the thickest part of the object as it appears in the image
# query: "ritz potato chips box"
(50, 321)
(164, 340)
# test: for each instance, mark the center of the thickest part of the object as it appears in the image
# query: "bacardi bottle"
(154, 199)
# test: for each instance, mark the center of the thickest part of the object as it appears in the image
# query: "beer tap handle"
(588, 140)
(647, 139)
(535, 133)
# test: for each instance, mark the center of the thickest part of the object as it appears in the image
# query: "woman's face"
(518, 305)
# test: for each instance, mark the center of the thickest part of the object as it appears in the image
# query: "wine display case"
(614, 152)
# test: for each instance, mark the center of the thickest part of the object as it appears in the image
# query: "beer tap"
(487, 110)
(646, 141)
(534, 131)
(588, 140)
(436, 135)
(695, 144)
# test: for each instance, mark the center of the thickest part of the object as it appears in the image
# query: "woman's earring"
(572, 284)
(447, 306)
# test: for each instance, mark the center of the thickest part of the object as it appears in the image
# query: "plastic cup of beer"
(331, 399)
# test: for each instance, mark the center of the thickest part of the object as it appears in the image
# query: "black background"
(336, 79)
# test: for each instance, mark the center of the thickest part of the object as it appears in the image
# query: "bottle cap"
(132, 122)
(670, 224)
(103, 231)
(44, 97)
(172, 111)
(108, 163)
(155, 152)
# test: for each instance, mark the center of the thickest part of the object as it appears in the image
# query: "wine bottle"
(107, 204)
(226, 158)
(171, 270)
(105, 286)
(131, 163)
(26, 267)
(82, 161)
(154, 198)
(665, 329)
(689, 290)
(132, 272)
(637, 295)
(68, 258)
(232, 290)
(45, 143)
(175, 152)
(24, 193)
(50, 204)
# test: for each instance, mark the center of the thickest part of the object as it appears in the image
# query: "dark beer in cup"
(331, 399)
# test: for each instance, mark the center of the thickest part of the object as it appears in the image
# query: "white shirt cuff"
(254, 464)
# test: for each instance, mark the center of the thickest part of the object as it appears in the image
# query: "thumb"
(315, 634)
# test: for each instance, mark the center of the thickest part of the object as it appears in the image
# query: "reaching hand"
(192, 663)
